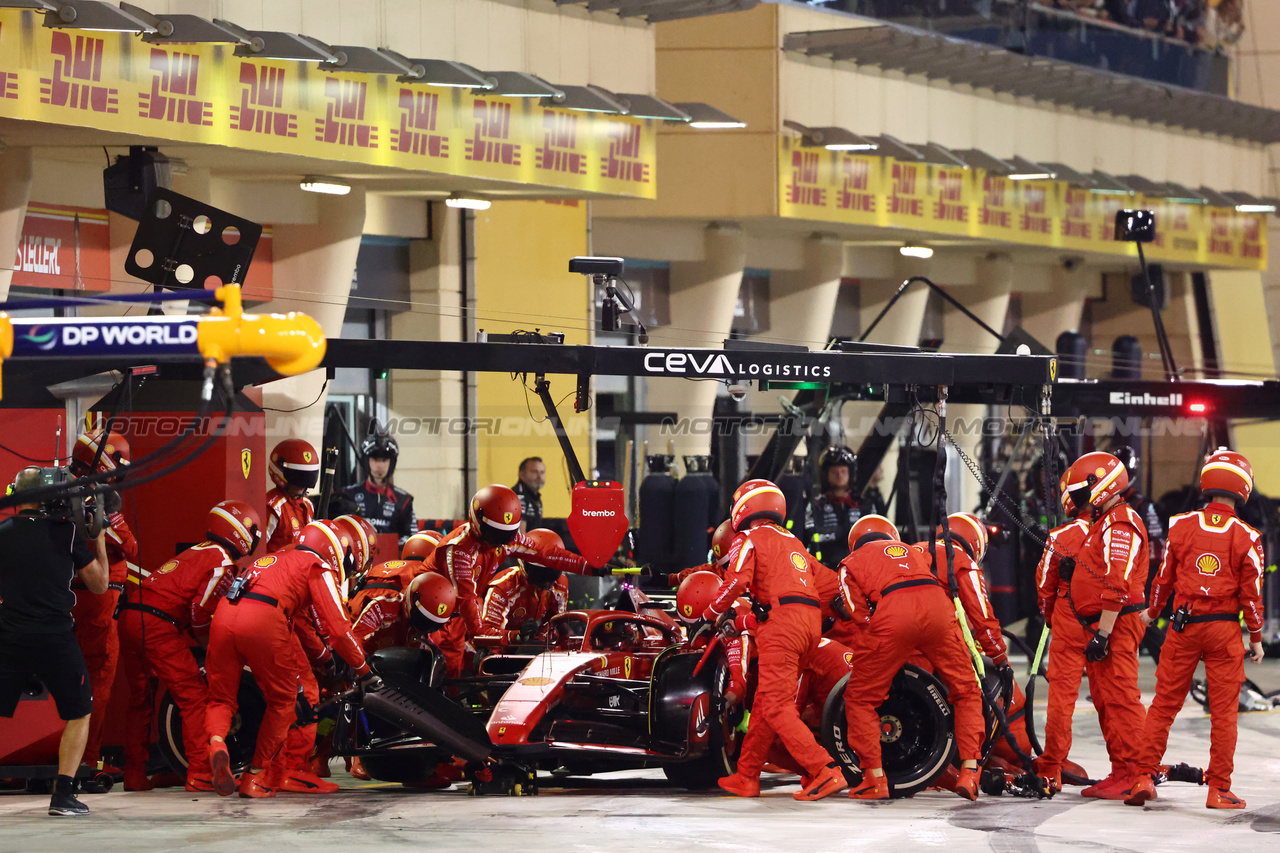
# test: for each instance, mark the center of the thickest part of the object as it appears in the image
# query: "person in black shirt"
(533, 476)
(377, 500)
(39, 556)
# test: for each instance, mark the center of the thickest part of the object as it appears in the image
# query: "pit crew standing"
(294, 468)
(773, 566)
(388, 508)
(1107, 595)
(828, 517)
(1212, 567)
(890, 588)
(95, 614)
(252, 625)
(1068, 639)
(521, 600)
(178, 597)
(471, 554)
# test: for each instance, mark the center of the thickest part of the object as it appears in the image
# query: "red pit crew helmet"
(755, 500)
(495, 515)
(234, 525)
(294, 462)
(870, 528)
(695, 594)
(539, 575)
(429, 602)
(721, 542)
(1095, 478)
(115, 456)
(1227, 474)
(362, 535)
(420, 546)
(333, 543)
(972, 530)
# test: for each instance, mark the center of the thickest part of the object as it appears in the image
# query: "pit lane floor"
(638, 811)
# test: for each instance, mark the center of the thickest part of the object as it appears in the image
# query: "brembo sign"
(719, 364)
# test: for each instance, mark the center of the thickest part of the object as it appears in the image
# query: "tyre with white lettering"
(917, 732)
(690, 712)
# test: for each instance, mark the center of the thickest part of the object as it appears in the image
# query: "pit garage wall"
(522, 282)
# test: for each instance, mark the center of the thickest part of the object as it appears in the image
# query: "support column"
(989, 300)
(703, 296)
(15, 192)
(424, 402)
(312, 271)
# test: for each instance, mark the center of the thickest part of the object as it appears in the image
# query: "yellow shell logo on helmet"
(1100, 472)
(895, 551)
(1208, 564)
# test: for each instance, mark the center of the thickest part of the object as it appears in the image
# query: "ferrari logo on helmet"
(506, 518)
(306, 456)
(895, 551)
(626, 667)
(688, 610)
(441, 609)
(799, 561)
(1208, 564)
(246, 461)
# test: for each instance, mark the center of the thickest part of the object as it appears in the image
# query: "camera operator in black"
(39, 556)
(377, 500)
(1153, 639)
(829, 517)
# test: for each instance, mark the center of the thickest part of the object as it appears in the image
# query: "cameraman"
(39, 556)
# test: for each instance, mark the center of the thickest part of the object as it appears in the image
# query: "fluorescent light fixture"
(831, 138)
(465, 202)
(187, 29)
(288, 47)
(517, 84)
(976, 158)
(1025, 170)
(647, 106)
(97, 16)
(38, 5)
(706, 117)
(442, 72)
(1246, 203)
(327, 186)
(1108, 184)
(892, 146)
(588, 99)
(910, 251)
(1070, 175)
(1186, 195)
(366, 60)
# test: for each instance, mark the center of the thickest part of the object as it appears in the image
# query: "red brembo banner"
(598, 520)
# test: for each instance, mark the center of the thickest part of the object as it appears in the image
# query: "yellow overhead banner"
(858, 189)
(202, 93)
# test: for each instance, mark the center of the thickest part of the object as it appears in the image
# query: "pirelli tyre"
(240, 740)
(691, 713)
(917, 732)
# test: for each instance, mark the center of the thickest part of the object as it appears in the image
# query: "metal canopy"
(663, 10)
(912, 51)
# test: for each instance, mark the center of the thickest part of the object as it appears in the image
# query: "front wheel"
(917, 732)
(685, 707)
(241, 740)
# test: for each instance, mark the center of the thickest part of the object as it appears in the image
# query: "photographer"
(39, 556)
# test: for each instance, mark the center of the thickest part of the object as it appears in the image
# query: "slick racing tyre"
(677, 698)
(917, 732)
(410, 766)
(240, 740)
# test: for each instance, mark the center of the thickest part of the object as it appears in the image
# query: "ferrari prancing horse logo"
(246, 461)
(626, 667)
(506, 518)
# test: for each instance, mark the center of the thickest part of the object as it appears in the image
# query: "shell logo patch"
(536, 682)
(110, 448)
(394, 564)
(167, 567)
(895, 551)
(263, 562)
(848, 658)
(1208, 564)
(294, 522)
(799, 561)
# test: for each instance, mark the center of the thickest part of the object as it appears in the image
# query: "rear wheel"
(917, 732)
(679, 700)
(241, 739)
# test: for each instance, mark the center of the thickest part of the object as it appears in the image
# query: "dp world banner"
(202, 93)
(857, 189)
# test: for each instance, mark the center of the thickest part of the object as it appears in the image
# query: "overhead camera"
(1135, 226)
(1071, 262)
(737, 390)
(605, 273)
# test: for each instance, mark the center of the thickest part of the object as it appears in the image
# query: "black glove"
(1066, 568)
(648, 572)
(529, 628)
(303, 713)
(841, 609)
(697, 629)
(339, 670)
(369, 683)
(111, 501)
(1098, 647)
(1005, 673)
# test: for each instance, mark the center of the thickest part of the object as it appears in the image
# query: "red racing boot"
(306, 782)
(135, 780)
(224, 782)
(1114, 787)
(357, 770)
(967, 784)
(254, 786)
(199, 784)
(872, 788)
(1223, 799)
(830, 780)
(1144, 789)
(739, 785)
